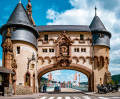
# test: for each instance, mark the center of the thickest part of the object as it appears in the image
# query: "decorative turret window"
(81, 37)
(18, 50)
(45, 37)
(101, 35)
(13, 28)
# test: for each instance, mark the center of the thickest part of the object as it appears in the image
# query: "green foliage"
(111, 82)
(116, 78)
(116, 82)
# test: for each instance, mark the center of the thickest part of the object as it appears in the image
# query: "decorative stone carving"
(63, 47)
(7, 45)
(29, 12)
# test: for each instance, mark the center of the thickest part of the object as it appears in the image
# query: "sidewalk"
(111, 94)
(23, 96)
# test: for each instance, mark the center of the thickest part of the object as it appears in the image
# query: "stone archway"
(80, 68)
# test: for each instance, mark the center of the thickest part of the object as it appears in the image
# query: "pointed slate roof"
(97, 26)
(19, 15)
(19, 18)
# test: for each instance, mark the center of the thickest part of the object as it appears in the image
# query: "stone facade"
(55, 50)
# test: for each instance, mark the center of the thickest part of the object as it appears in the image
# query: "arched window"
(101, 62)
(27, 79)
(95, 63)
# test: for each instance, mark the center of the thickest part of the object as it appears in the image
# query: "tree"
(111, 82)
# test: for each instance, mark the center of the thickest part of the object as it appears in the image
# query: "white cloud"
(55, 75)
(0, 62)
(79, 3)
(82, 13)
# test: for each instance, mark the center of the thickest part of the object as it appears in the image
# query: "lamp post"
(48, 81)
(33, 59)
(79, 79)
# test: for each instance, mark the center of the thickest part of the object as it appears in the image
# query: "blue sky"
(73, 12)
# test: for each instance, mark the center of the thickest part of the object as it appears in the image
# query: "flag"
(75, 76)
(50, 76)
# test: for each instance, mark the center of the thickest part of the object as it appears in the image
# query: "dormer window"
(101, 35)
(81, 37)
(45, 37)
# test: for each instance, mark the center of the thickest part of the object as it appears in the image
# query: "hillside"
(116, 78)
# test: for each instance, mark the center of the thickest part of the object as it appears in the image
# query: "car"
(57, 89)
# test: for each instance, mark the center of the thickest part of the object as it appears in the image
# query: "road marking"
(59, 98)
(103, 98)
(109, 98)
(43, 98)
(51, 98)
(76, 97)
(86, 97)
(67, 97)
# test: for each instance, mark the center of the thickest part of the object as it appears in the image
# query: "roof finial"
(95, 11)
(19, 1)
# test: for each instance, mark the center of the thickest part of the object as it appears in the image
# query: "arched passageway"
(79, 68)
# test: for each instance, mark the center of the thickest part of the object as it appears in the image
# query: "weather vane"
(19, 1)
(95, 11)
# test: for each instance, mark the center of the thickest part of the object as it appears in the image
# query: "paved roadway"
(65, 93)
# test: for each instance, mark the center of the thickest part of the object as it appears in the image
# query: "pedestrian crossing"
(76, 97)
(66, 97)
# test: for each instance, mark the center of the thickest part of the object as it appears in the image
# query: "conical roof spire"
(95, 11)
(19, 15)
(97, 25)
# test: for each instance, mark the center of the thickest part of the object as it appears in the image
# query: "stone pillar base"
(8, 90)
(23, 90)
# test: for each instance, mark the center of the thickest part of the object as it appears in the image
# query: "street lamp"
(79, 79)
(33, 59)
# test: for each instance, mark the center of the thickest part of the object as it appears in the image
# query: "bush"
(111, 82)
(116, 82)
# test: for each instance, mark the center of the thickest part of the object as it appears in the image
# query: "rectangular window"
(18, 50)
(51, 50)
(76, 50)
(81, 37)
(83, 49)
(44, 50)
(46, 37)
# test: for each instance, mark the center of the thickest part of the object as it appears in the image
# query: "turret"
(100, 34)
(22, 28)
(23, 37)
